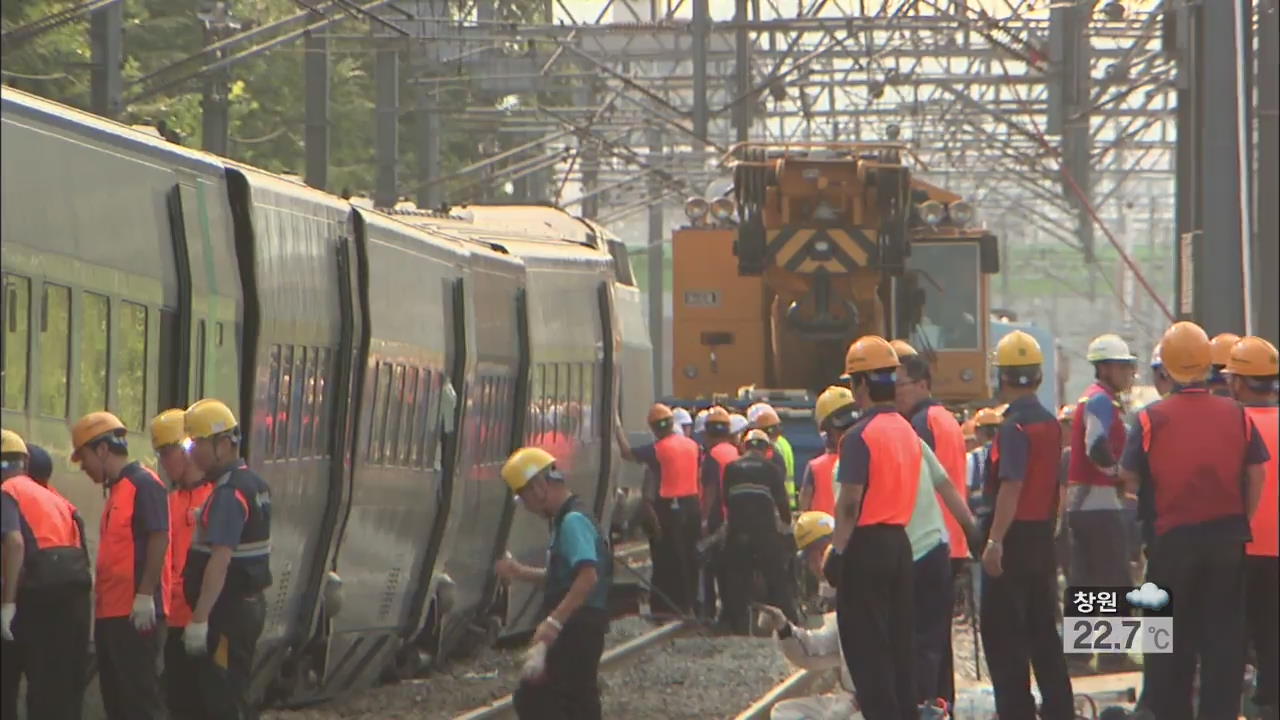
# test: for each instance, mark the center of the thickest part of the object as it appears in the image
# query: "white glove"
(143, 616)
(7, 611)
(535, 662)
(196, 638)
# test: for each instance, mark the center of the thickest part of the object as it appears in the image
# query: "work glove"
(535, 663)
(143, 615)
(831, 569)
(7, 611)
(195, 637)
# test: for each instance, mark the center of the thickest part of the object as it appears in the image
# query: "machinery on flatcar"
(383, 365)
(819, 244)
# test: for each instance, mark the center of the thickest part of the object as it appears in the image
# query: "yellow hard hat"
(91, 427)
(524, 465)
(903, 348)
(868, 353)
(832, 400)
(1253, 357)
(167, 428)
(1018, 349)
(986, 417)
(1220, 347)
(812, 527)
(1186, 352)
(11, 443)
(208, 417)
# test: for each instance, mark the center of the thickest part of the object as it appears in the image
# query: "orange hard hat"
(756, 436)
(987, 417)
(766, 417)
(1253, 357)
(903, 348)
(717, 414)
(1220, 348)
(91, 427)
(659, 413)
(868, 353)
(1186, 352)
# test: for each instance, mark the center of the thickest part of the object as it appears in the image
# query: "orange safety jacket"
(1265, 525)
(184, 510)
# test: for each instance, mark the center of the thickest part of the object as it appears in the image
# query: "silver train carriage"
(382, 365)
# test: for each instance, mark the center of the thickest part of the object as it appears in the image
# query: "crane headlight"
(931, 212)
(722, 208)
(695, 208)
(962, 213)
(824, 212)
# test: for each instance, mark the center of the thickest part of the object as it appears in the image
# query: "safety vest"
(893, 476)
(184, 509)
(120, 559)
(783, 447)
(1266, 528)
(678, 466)
(822, 470)
(722, 453)
(47, 514)
(948, 441)
(1196, 444)
(250, 569)
(1038, 501)
(1082, 470)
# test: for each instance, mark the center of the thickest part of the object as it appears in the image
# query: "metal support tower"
(1267, 227)
(386, 78)
(657, 280)
(1210, 179)
(316, 89)
(742, 99)
(700, 27)
(428, 152)
(1069, 107)
(587, 155)
(106, 40)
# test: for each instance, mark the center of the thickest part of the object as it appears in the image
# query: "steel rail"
(797, 683)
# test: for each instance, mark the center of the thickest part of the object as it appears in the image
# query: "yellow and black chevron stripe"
(800, 249)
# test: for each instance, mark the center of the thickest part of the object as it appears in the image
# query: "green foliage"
(266, 92)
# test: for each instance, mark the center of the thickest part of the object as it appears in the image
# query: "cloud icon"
(1149, 597)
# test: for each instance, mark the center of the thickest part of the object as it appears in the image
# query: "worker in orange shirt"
(189, 492)
(1254, 379)
(1220, 354)
(44, 612)
(722, 449)
(132, 579)
(834, 412)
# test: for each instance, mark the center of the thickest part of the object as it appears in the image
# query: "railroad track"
(611, 660)
(795, 685)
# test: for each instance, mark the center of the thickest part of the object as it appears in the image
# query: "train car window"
(535, 400)
(407, 425)
(297, 395)
(380, 402)
(555, 393)
(272, 400)
(199, 358)
(17, 340)
(283, 410)
(170, 389)
(395, 411)
(621, 263)
(589, 401)
(310, 415)
(488, 419)
(508, 404)
(55, 350)
(217, 334)
(131, 356)
(323, 404)
(94, 316)
(572, 400)
(420, 455)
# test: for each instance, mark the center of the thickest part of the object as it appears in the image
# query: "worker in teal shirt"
(560, 675)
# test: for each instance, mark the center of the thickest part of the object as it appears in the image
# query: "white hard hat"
(1109, 347)
(737, 423)
(682, 416)
(700, 421)
(1156, 361)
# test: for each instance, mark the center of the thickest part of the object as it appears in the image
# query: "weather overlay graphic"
(1117, 620)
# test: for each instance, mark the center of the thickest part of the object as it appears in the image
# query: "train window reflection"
(283, 409)
(131, 354)
(55, 350)
(272, 398)
(94, 315)
(423, 432)
(296, 396)
(949, 281)
(309, 415)
(410, 416)
(378, 424)
(17, 340)
(395, 408)
(324, 404)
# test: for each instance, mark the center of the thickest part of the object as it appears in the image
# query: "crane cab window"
(948, 280)
(17, 340)
(55, 350)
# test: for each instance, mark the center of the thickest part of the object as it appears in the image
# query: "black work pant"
(181, 679)
(51, 648)
(675, 559)
(1100, 558)
(569, 689)
(874, 608)
(1205, 579)
(1262, 601)
(1019, 627)
(129, 669)
(933, 611)
(713, 583)
(762, 550)
(224, 672)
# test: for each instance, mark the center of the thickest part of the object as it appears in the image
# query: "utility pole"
(316, 88)
(701, 29)
(657, 252)
(386, 78)
(215, 110)
(106, 41)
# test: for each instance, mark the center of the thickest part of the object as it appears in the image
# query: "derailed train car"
(382, 365)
